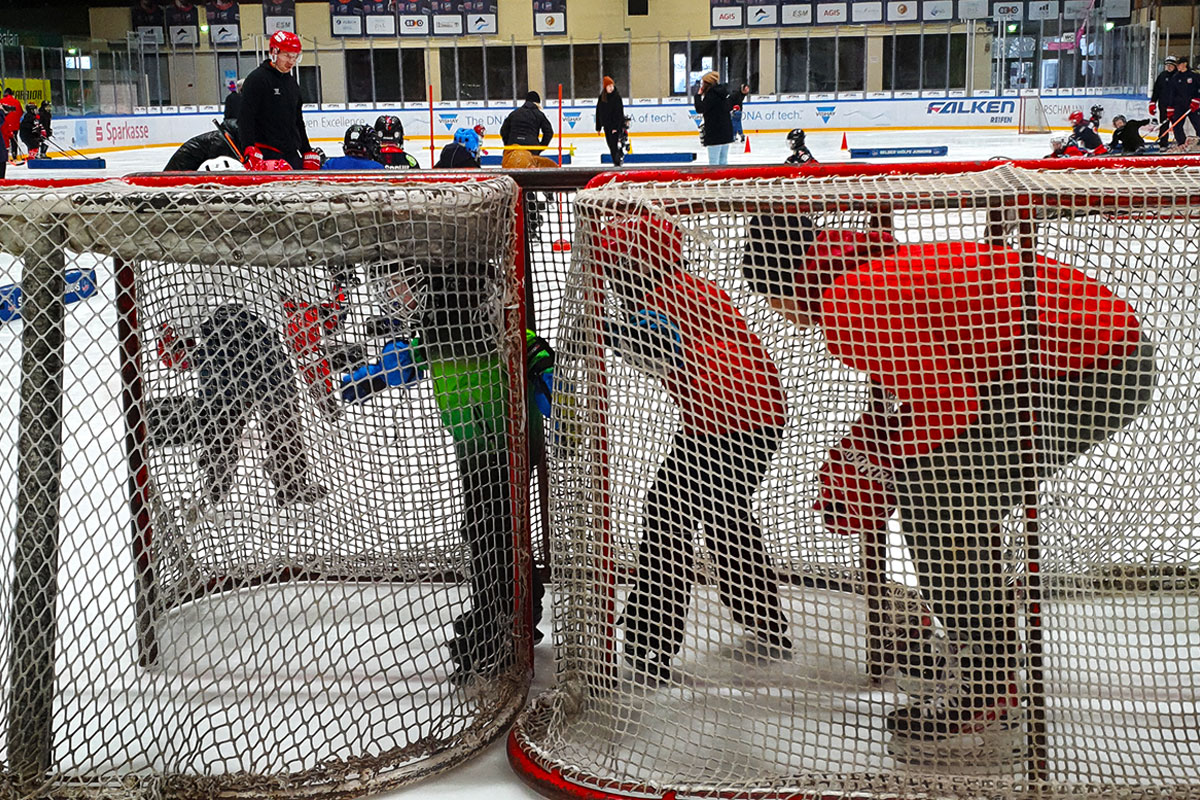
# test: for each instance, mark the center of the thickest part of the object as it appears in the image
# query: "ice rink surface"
(489, 775)
(765, 148)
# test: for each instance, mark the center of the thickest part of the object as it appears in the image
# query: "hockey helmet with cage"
(222, 164)
(1075, 118)
(284, 42)
(795, 138)
(390, 129)
(361, 141)
(401, 287)
(1059, 142)
(1097, 111)
(469, 139)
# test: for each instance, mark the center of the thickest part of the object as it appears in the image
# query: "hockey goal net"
(991, 588)
(231, 572)
(1031, 115)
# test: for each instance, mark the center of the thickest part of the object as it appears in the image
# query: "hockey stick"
(57, 144)
(229, 141)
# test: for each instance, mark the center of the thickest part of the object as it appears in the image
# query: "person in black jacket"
(1158, 98)
(233, 102)
(715, 104)
(1126, 138)
(1085, 135)
(610, 118)
(31, 132)
(527, 125)
(271, 123)
(1180, 90)
(462, 153)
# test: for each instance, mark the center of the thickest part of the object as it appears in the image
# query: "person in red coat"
(10, 111)
(941, 329)
(686, 332)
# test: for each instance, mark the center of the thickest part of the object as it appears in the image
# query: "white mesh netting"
(877, 485)
(266, 475)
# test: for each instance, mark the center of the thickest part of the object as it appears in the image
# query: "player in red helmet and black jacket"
(271, 124)
(687, 332)
(1085, 135)
(941, 331)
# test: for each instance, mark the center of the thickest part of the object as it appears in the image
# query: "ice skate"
(481, 647)
(959, 729)
(756, 650)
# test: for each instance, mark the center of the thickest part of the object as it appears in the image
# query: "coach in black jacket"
(271, 118)
(528, 125)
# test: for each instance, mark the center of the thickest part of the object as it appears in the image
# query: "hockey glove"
(1195, 104)
(857, 495)
(649, 341)
(252, 157)
(396, 367)
(1153, 109)
(173, 351)
(539, 357)
(313, 159)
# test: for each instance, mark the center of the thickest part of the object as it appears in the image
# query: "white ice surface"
(765, 149)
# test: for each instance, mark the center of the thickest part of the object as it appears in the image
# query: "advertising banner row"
(647, 117)
(785, 13)
(179, 22)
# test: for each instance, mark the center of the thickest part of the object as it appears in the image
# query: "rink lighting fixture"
(1012, 27)
(1109, 25)
(204, 29)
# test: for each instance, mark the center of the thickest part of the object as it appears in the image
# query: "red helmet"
(284, 42)
(1076, 116)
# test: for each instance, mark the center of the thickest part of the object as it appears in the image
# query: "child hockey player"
(435, 327)
(1127, 138)
(1085, 136)
(940, 329)
(390, 131)
(800, 153)
(361, 148)
(687, 333)
(463, 152)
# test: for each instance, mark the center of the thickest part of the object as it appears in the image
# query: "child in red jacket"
(941, 329)
(687, 332)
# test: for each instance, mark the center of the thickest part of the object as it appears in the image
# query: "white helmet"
(222, 164)
(1059, 142)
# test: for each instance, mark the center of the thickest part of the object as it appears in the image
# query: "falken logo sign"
(571, 117)
(971, 107)
(826, 112)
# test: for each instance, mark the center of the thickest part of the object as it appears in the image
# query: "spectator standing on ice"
(271, 124)
(527, 127)
(715, 104)
(233, 102)
(1158, 98)
(610, 119)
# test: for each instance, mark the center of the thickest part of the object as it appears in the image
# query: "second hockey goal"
(877, 483)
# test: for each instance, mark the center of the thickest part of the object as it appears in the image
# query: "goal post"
(732, 621)
(269, 483)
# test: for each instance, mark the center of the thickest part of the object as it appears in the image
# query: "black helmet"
(361, 141)
(1119, 117)
(390, 129)
(796, 138)
(1097, 110)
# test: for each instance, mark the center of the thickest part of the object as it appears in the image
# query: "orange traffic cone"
(845, 145)
(747, 144)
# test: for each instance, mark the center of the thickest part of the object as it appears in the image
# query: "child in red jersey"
(943, 333)
(688, 333)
